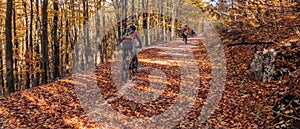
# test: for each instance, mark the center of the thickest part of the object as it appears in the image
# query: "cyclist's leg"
(124, 71)
(132, 49)
(132, 53)
(125, 50)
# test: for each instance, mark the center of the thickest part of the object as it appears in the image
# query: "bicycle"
(129, 65)
(185, 40)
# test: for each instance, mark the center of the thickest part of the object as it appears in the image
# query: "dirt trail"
(169, 90)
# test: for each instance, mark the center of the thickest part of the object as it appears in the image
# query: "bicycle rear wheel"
(134, 64)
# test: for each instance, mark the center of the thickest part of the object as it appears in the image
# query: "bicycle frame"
(129, 66)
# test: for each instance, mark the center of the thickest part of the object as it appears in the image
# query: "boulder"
(263, 65)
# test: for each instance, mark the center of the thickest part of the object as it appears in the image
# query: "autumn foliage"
(245, 28)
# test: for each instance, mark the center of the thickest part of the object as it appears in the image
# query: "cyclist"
(128, 42)
(185, 33)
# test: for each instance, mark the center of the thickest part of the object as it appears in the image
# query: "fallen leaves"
(245, 102)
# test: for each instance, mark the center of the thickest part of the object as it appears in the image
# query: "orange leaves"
(245, 103)
(254, 24)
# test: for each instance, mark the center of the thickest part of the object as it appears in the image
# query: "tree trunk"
(125, 9)
(61, 69)
(30, 44)
(104, 51)
(98, 40)
(132, 11)
(16, 43)
(27, 47)
(73, 47)
(1, 70)
(172, 19)
(145, 23)
(37, 47)
(67, 46)
(159, 21)
(119, 21)
(8, 51)
(45, 56)
(56, 51)
(75, 56)
(86, 36)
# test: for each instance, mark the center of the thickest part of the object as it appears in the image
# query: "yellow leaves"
(270, 117)
(232, 12)
(281, 122)
(3, 110)
(55, 1)
(293, 40)
(263, 11)
(294, 4)
(288, 112)
(292, 16)
(148, 127)
(243, 19)
(254, 24)
(260, 6)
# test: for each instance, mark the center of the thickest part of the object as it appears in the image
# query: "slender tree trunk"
(161, 16)
(145, 23)
(30, 45)
(154, 23)
(75, 57)
(8, 51)
(164, 21)
(119, 20)
(27, 46)
(61, 32)
(104, 50)
(98, 40)
(67, 46)
(159, 21)
(132, 11)
(45, 56)
(86, 36)
(125, 8)
(56, 52)
(16, 43)
(172, 20)
(1, 70)
(37, 46)
(148, 24)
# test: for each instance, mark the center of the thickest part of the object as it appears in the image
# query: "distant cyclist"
(128, 42)
(185, 33)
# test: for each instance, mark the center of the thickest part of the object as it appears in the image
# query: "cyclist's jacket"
(185, 31)
(129, 38)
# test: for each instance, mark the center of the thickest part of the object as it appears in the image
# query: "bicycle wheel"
(134, 64)
(131, 68)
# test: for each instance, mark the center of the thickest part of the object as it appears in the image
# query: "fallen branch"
(296, 118)
(247, 43)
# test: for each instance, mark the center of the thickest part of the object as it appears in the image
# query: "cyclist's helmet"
(133, 27)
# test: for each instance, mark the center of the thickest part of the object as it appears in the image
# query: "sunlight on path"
(161, 95)
(182, 77)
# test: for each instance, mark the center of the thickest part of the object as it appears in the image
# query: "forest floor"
(68, 103)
